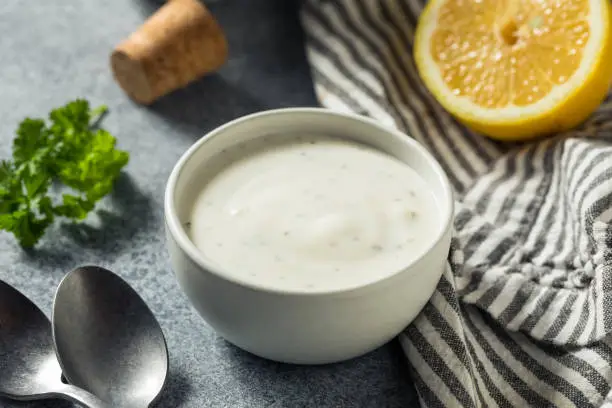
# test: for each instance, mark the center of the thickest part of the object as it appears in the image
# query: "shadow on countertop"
(175, 391)
(204, 105)
(344, 384)
(267, 67)
(128, 212)
(131, 212)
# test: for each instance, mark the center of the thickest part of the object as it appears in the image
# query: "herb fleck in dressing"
(311, 213)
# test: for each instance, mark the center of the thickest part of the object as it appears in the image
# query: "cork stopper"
(178, 44)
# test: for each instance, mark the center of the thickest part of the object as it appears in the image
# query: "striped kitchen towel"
(522, 315)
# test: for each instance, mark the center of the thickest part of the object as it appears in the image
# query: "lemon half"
(516, 69)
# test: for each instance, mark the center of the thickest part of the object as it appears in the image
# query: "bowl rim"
(181, 238)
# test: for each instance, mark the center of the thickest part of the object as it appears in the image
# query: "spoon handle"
(80, 396)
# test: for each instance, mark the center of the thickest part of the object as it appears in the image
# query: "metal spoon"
(107, 340)
(29, 369)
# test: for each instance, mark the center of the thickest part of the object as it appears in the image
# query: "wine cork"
(178, 44)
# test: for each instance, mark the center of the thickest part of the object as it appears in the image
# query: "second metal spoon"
(29, 369)
(107, 339)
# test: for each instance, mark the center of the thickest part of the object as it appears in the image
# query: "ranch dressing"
(311, 213)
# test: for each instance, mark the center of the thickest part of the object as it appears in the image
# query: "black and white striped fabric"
(522, 315)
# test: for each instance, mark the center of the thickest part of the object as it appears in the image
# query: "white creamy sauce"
(311, 213)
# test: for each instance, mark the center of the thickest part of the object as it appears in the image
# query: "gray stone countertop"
(55, 51)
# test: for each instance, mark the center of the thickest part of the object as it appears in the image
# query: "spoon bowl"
(29, 369)
(26, 347)
(107, 340)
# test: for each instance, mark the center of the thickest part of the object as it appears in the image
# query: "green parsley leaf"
(32, 135)
(69, 150)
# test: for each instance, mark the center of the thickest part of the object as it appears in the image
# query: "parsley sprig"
(68, 150)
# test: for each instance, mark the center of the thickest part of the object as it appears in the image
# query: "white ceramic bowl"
(304, 327)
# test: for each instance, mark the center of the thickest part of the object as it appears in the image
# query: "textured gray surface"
(51, 52)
